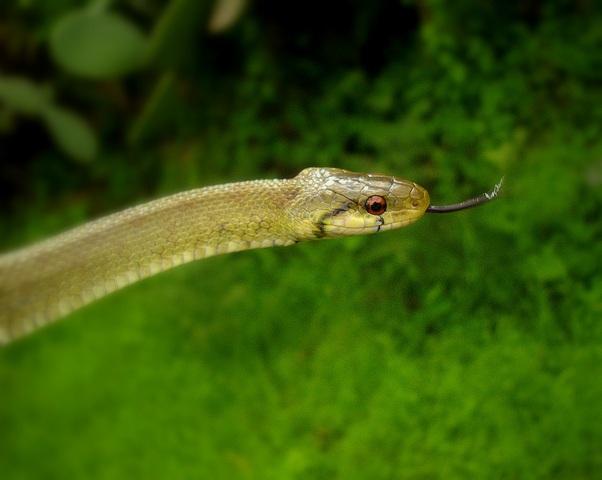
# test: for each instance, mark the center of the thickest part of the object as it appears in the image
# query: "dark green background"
(465, 346)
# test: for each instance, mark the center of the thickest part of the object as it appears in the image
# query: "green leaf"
(72, 134)
(98, 44)
(23, 96)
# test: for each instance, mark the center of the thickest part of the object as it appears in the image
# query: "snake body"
(48, 280)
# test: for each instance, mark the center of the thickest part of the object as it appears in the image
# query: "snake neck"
(53, 278)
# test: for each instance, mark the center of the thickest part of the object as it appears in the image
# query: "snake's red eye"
(376, 205)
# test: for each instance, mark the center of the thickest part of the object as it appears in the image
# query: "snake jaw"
(359, 223)
(346, 225)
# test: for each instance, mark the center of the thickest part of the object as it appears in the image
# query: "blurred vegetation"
(466, 346)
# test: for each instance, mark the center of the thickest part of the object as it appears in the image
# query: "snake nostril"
(414, 203)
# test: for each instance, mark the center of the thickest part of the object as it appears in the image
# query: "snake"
(50, 279)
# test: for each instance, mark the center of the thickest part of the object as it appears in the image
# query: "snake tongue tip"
(496, 190)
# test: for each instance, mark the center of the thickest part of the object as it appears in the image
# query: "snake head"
(343, 203)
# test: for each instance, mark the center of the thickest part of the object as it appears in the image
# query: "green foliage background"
(465, 346)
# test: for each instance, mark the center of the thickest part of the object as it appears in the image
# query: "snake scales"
(48, 280)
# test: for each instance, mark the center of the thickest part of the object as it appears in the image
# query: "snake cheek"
(340, 210)
(350, 223)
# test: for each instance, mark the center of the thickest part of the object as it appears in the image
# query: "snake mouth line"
(326, 230)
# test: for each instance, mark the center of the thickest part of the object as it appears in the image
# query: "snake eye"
(376, 205)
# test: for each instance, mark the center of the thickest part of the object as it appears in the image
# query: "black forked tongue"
(473, 202)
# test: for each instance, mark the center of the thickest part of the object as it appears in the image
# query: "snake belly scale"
(50, 279)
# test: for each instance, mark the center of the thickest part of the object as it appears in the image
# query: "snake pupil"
(376, 205)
